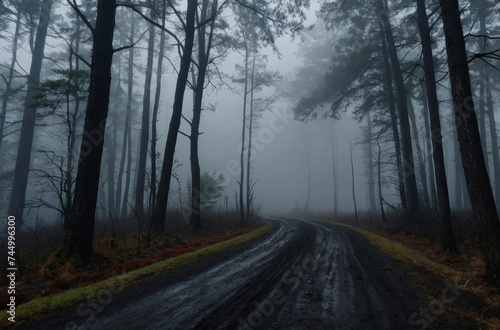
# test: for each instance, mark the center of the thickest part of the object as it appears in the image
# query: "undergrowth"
(119, 249)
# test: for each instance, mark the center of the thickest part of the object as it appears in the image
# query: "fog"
(292, 161)
(280, 160)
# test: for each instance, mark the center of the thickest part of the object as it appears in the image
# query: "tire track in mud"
(184, 304)
(266, 283)
(304, 275)
(331, 292)
(319, 284)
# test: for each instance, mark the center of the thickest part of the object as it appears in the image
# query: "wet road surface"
(303, 275)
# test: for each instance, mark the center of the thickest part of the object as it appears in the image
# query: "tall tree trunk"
(394, 125)
(479, 8)
(371, 175)
(111, 148)
(111, 157)
(408, 163)
(128, 113)
(481, 112)
(447, 237)
(494, 138)
(250, 129)
(8, 82)
(156, 106)
(335, 208)
(204, 49)
(243, 129)
(308, 163)
(428, 152)
(143, 150)
(23, 160)
(353, 190)
(81, 235)
(125, 203)
(484, 7)
(162, 197)
(421, 163)
(379, 175)
(476, 176)
(71, 121)
(461, 196)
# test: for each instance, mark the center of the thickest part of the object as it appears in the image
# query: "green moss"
(45, 305)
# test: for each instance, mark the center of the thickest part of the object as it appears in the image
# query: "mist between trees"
(105, 102)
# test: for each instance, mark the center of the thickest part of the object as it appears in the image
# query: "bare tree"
(159, 213)
(8, 81)
(144, 139)
(23, 160)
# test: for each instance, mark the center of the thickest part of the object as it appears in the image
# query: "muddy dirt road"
(303, 275)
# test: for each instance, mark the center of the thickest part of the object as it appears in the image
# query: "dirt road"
(303, 275)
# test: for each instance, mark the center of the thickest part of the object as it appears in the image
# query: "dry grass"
(118, 249)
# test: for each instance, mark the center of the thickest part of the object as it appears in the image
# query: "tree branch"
(182, 133)
(149, 20)
(74, 5)
(188, 121)
(246, 5)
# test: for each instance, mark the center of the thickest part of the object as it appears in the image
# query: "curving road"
(303, 275)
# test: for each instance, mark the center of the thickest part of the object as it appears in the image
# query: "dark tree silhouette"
(80, 237)
(476, 176)
(160, 211)
(447, 238)
(23, 160)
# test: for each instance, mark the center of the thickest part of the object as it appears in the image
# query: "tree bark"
(480, 7)
(23, 160)
(160, 211)
(494, 138)
(71, 120)
(353, 190)
(111, 160)
(371, 175)
(204, 49)
(428, 152)
(447, 238)
(250, 129)
(80, 238)
(407, 162)
(243, 129)
(394, 125)
(125, 203)
(143, 150)
(156, 106)
(379, 175)
(335, 209)
(421, 164)
(462, 200)
(308, 163)
(8, 83)
(484, 7)
(476, 176)
(128, 113)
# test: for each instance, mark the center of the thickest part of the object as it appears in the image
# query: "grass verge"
(398, 251)
(45, 305)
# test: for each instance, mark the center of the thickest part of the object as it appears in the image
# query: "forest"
(138, 120)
